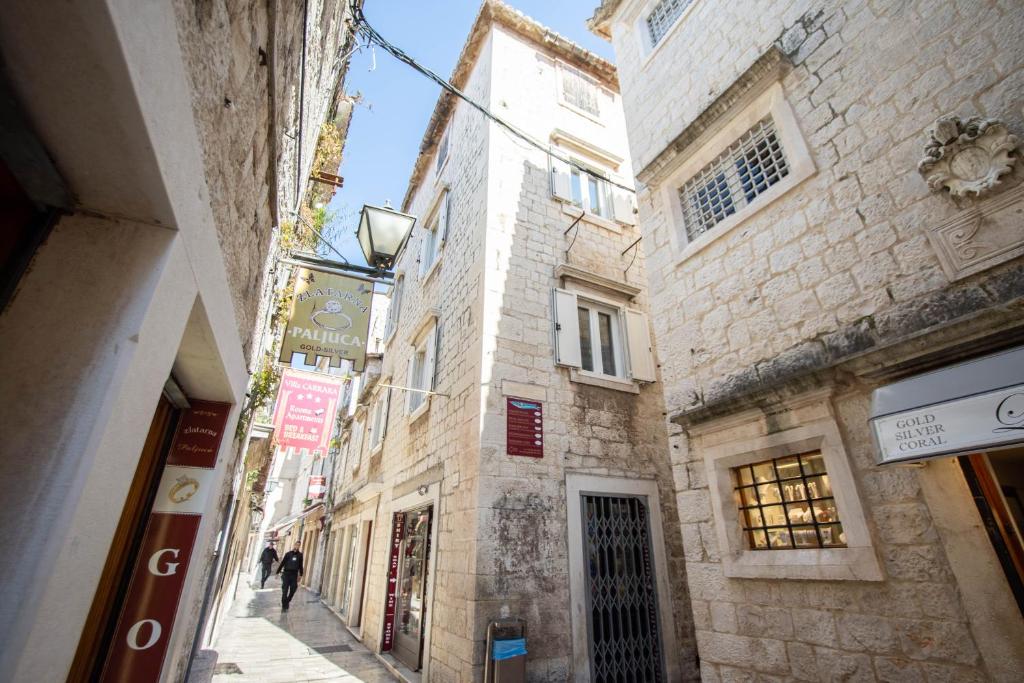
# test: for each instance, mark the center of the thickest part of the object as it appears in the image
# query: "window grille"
(734, 179)
(664, 14)
(578, 91)
(788, 503)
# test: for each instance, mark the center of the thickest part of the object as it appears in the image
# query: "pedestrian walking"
(267, 558)
(290, 570)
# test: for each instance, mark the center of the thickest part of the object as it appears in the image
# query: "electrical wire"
(374, 37)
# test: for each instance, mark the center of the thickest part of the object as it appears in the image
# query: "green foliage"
(262, 386)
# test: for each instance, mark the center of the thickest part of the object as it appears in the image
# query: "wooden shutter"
(561, 183)
(622, 206)
(384, 415)
(442, 221)
(409, 383)
(638, 339)
(430, 364)
(567, 329)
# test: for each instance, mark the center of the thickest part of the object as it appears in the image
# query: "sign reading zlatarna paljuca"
(330, 317)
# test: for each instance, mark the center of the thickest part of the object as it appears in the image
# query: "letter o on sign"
(154, 634)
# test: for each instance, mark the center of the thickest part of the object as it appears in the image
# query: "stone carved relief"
(967, 156)
(980, 238)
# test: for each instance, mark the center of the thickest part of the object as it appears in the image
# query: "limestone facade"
(164, 132)
(784, 315)
(505, 532)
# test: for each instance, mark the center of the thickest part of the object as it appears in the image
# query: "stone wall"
(245, 62)
(522, 556)
(839, 271)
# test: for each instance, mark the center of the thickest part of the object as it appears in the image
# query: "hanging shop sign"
(970, 424)
(525, 428)
(305, 410)
(330, 317)
(147, 616)
(391, 604)
(317, 487)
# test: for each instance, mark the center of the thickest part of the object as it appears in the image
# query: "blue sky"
(388, 124)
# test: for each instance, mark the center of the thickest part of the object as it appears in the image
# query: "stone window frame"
(771, 102)
(561, 70)
(638, 25)
(735, 441)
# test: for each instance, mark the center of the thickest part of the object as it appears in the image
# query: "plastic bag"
(507, 649)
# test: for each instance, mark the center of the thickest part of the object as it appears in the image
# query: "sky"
(396, 102)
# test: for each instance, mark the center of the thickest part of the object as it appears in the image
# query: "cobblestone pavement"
(259, 642)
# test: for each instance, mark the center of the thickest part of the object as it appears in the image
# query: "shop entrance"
(414, 554)
(996, 480)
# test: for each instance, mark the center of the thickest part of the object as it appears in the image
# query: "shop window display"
(787, 503)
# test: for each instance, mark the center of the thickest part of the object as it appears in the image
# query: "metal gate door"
(622, 624)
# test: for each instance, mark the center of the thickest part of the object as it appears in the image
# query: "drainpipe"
(302, 105)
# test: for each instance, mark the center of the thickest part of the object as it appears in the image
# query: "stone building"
(501, 462)
(823, 257)
(148, 153)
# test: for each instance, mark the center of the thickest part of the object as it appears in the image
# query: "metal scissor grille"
(625, 643)
(735, 178)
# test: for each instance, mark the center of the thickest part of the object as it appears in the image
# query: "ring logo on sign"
(183, 489)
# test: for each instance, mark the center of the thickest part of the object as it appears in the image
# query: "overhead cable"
(373, 36)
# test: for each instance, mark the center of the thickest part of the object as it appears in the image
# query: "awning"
(964, 408)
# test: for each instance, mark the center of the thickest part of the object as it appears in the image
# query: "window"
(602, 339)
(663, 16)
(437, 232)
(734, 179)
(421, 372)
(379, 418)
(788, 503)
(395, 307)
(442, 152)
(590, 190)
(579, 91)
(600, 343)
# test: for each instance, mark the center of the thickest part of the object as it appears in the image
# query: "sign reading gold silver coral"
(965, 425)
(330, 317)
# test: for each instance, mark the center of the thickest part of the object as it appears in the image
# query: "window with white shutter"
(436, 233)
(420, 374)
(394, 307)
(591, 190)
(601, 339)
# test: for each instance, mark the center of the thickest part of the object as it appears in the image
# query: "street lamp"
(382, 233)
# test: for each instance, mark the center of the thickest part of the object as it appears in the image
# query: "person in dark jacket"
(267, 558)
(290, 570)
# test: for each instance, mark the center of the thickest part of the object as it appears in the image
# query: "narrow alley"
(259, 642)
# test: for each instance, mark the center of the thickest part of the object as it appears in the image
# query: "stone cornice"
(765, 70)
(933, 330)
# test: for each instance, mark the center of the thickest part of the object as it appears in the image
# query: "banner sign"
(965, 425)
(525, 427)
(390, 606)
(317, 487)
(305, 410)
(330, 317)
(147, 616)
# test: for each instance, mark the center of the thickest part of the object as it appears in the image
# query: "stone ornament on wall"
(981, 237)
(967, 156)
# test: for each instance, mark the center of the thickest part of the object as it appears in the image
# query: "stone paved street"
(258, 642)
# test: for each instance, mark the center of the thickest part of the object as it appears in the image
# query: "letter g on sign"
(154, 562)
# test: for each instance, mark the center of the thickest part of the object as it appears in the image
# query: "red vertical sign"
(147, 616)
(397, 534)
(525, 427)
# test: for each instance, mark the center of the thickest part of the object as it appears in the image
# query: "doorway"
(410, 612)
(622, 600)
(113, 585)
(996, 481)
